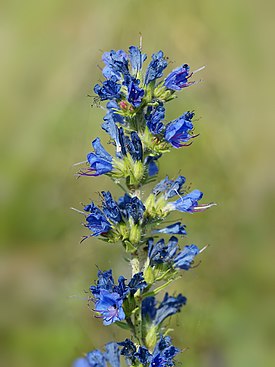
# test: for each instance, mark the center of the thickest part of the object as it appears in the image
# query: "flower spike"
(140, 134)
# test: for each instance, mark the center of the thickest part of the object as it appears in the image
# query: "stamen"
(204, 248)
(77, 164)
(199, 69)
(203, 207)
(78, 211)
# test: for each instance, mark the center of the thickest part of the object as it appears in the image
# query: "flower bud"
(151, 337)
(149, 275)
(135, 234)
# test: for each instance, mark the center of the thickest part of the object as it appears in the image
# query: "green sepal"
(149, 276)
(129, 247)
(135, 234)
(151, 337)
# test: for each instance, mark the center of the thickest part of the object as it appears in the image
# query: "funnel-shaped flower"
(178, 78)
(100, 161)
(177, 132)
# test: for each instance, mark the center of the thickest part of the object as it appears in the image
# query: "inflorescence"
(139, 135)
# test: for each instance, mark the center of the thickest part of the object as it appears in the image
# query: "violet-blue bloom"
(110, 207)
(106, 282)
(112, 354)
(96, 220)
(136, 58)
(168, 307)
(116, 64)
(143, 355)
(155, 68)
(132, 145)
(110, 89)
(178, 78)
(137, 282)
(175, 187)
(177, 132)
(100, 161)
(131, 207)
(160, 253)
(109, 305)
(185, 258)
(164, 353)
(96, 358)
(135, 94)
(154, 117)
(128, 349)
(163, 185)
(152, 167)
(187, 203)
(175, 228)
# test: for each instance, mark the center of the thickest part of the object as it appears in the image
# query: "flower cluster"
(139, 135)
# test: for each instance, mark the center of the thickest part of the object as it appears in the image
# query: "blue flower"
(111, 208)
(154, 117)
(135, 94)
(128, 349)
(116, 64)
(174, 187)
(131, 207)
(168, 307)
(96, 358)
(155, 68)
(137, 282)
(106, 282)
(96, 220)
(110, 89)
(187, 203)
(177, 132)
(136, 58)
(178, 78)
(185, 258)
(169, 187)
(100, 161)
(152, 167)
(109, 305)
(149, 309)
(111, 119)
(112, 354)
(161, 253)
(143, 355)
(162, 186)
(175, 228)
(162, 356)
(109, 297)
(132, 145)
(164, 353)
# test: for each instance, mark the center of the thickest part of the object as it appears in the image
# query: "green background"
(49, 56)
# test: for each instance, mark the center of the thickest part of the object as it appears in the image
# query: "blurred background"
(49, 56)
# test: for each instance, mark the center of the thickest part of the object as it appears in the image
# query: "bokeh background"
(49, 56)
